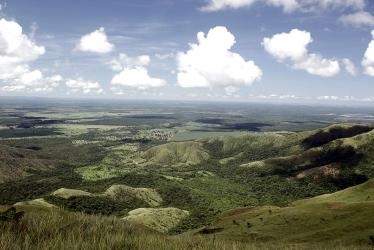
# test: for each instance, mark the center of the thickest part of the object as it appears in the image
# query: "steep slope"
(17, 163)
(342, 217)
(344, 153)
(177, 152)
(360, 193)
(334, 132)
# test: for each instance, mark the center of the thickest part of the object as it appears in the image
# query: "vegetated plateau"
(164, 175)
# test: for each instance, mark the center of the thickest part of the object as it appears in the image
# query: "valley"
(215, 175)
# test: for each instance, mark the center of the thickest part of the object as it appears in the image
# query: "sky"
(245, 50)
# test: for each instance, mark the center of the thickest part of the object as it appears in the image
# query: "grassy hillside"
(18, 163)
(37, 203)
(177, 152)
(341, 217)
(58, 229)
(180, 186)
(159, 219)
(67, 193)
(148, 195)
(356, 194)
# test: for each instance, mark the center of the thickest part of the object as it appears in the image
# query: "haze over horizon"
(312, 51)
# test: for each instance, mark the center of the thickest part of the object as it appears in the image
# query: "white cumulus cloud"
(368, 60)
(81, 86)
(95, 42)
(317, 65)
(133, 73)
(33, 81)
(287, 5)
(293, 47)
(210, 63)
(358, 19)
(137, 77)
(16, 50)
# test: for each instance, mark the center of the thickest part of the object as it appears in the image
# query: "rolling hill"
(177, 152)
(277, 188)
(18, 163)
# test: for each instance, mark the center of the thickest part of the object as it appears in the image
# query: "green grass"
(148, 195)
(187, 135)
(176, 152)
(123, 169)
(67, 193)
(340, 217)
(119, 161)
(19, 163)
(78, 129)
(38, 203)
(57, 229)
(159, 219)
(360, 193)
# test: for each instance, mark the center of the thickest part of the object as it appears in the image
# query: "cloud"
(133, 73)
(80, 86)
(287, 5)
(33, 81)
(215, 5)
(124, 61)
(358, 19)
(210, 63)
(137, 77)
(165, 56)
(349, 66)
(95, 42)
(292, 47)
(336, 4)
(368, 60)
(316, 65)
(16, 50)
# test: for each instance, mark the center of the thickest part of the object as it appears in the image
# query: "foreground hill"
(52, 228)
(340, 220)
(45, 228)
(344, 217)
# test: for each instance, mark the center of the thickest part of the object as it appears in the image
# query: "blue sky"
(270, 50)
